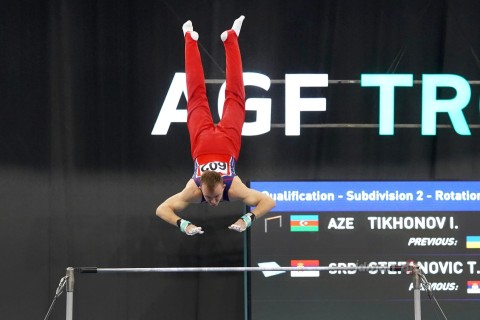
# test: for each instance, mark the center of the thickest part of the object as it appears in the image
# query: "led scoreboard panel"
(362, 224)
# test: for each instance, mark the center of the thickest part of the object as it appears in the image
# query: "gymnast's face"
(213, 196)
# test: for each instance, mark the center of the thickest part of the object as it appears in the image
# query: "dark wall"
(82, 83)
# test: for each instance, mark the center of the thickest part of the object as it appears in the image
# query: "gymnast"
(214, 148)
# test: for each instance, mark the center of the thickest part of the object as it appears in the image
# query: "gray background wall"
(82, 83)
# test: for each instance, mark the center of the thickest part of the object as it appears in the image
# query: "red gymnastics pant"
(205, 137)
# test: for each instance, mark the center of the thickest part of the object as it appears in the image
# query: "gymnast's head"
(212, 186)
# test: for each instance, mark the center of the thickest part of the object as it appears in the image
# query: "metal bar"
(69, 314)
(236, 269)
(416, 295)
(70, 271)
(70, 286)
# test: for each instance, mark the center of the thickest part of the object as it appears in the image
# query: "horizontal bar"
(239, 269)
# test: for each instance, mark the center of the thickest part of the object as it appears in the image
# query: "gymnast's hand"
(192, 230)
(238, 226)
(188, 228)
(243, 223)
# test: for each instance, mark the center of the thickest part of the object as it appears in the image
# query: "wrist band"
(248, 218)
(183, 224)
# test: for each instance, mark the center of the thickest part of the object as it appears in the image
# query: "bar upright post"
(70, 285)
(416, 293)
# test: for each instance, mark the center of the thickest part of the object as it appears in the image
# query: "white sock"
(188, 27)
(237, 26)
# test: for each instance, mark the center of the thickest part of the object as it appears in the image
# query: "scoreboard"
(365, 224)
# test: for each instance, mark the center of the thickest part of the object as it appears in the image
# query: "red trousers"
(205, 137)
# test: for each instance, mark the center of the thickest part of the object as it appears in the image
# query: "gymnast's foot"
(237, 25)
(188, 27)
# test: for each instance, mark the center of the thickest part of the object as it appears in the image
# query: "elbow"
(270, 202)
(273, 204)
(159, 211)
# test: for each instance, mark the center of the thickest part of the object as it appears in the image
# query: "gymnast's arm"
(253, 198)
(169, 208)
